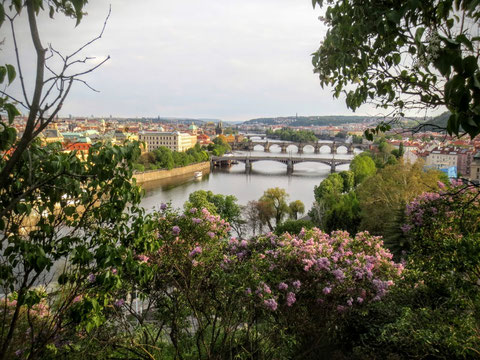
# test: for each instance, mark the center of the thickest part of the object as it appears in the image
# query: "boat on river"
(197, 174)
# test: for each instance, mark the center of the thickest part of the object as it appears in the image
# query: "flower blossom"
(175, 230)
(271, 304)
(291, 299)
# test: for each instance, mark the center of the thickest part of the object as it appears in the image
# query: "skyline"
(221, 60)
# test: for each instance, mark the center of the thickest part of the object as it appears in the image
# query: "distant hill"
(437, 123)
(312, 120)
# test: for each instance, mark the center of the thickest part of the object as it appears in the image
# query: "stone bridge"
(333, 146)
(287, 160)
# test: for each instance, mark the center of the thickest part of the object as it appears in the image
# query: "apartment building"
(175, 141)
(441, 158)
(475, 168)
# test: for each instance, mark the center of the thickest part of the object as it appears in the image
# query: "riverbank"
(153, 175)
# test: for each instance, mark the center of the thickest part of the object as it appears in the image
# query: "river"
(247, 186)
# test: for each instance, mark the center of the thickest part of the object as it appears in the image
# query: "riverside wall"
(152, 175)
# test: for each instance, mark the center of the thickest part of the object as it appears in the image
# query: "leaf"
(18, 5)
(11, 73)
(419, 34)
(469, 66)
(51, 12)
(396, 58)
(2, 14)
(12, 111)
(3, 72)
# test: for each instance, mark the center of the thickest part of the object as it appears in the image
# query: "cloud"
(227, 59)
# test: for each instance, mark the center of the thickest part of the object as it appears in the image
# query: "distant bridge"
(333, 146)
(287, 160)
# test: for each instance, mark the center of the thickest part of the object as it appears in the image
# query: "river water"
(248, 186)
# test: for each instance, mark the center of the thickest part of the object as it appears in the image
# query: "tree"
(332, 186)
(224, 205)
(363, 167)
(64, 223)
(273, 205)
(296, 207)
(404, 55)
(51, 87)
(348, 180)
(383, 195)
(252, 216)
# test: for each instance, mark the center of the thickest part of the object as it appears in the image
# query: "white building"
(441, 158)
(175, 141)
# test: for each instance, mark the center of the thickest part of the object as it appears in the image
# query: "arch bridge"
(250, 145)
(287, 160)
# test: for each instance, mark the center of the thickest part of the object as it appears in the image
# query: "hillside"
(311, 120)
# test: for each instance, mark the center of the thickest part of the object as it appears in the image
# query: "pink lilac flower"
(359, 300)
(143, 258)
(193, 210)
(18, 352)
(266, 288)
(163, 206)
(196, 250)
(271, 304)
(175, 230)
(244, 243)
(114, 271)
(211, 234)
(196, 220)
(195, 263)
(248, 291)
(296, 284)
(282, 286)
(91, 278)
(327, 290)
(77, 299)
(291, 299)
(339, 275)
(119, 302)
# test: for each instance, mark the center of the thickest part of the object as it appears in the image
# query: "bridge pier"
(333, 148)
(300, 148)
(283, 148)
(332, 167)
(289, 166)
(317, 149)
(266, 147)
(350, 150)
(248, 165)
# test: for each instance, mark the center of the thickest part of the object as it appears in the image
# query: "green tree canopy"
(404, 55)
(362, 167)
(273, 205)
(296, 207)
(384, 195)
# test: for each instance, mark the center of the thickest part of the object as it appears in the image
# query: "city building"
(475, 168)
(175, 141)
(465, 157)
(441, 158)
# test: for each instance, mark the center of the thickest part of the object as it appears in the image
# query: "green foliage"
(348, 180)
(344, 214)
(289, 134)
(330, 188)
(296, 207)
(384, 195)
(293, 227)
(434, 311)
(273, 205)
(362, 167)
(75, 219)
(378, 51)
(219, 146)
(224, 205)
(164, 158)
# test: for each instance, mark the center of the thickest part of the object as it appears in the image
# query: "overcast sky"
(225, 59)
